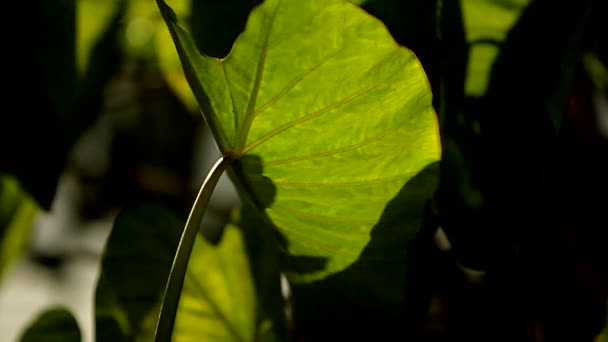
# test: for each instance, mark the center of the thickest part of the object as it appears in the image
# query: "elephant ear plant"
(321, 120)
(325, 126)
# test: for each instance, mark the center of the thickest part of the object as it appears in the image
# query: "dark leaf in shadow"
(367, 298)
(53, 325)
(52, 107)
(134, 270)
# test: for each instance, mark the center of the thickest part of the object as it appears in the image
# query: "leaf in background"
(17, 212)
(53, 325)
(41, 72)
(171, 68)
(146, 35)
(44, 69)
(518, 120)
(103, 61)
(598, 72)
(134, 271)
(487, 23)
(603, 337)
(92, 19)
(327, 117)
(218, 301)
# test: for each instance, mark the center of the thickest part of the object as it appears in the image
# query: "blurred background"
(109, 121)
(98, 115)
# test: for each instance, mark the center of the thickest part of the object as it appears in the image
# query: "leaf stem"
(168, 309)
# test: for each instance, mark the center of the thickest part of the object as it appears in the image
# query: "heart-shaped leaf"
(326, 117)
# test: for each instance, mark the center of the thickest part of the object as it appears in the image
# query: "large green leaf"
(218, 301)
(53, 325)
(326, 117)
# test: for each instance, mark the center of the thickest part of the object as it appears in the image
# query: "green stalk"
(168, 309)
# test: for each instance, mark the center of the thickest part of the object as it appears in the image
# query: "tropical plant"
(405, 171)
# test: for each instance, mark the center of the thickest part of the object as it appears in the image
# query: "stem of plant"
(168, 309)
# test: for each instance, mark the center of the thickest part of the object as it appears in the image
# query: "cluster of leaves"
(328, 130)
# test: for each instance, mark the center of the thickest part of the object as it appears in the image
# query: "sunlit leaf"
(218, 301)
(487, 23)
(54, 325)
(327, 119)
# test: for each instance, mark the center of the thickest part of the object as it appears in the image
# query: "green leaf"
(17, 212)
(171, 68)
(54, 325)
(327, 119)
(134, 271)
(92, 19)
(218, 297)
(218, 300)
(204, 17)
(598, 72)
(487, 23)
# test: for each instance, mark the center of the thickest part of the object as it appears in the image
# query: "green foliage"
(17, 211)
(268, 95)
(327, 128)
(134, 271)
(60, 100)
(218, 301)
(363, 108)
(486, 26)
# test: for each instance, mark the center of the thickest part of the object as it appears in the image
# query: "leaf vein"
(236, 124)
(331, 152)
(292, 84)
(340, 185)
(313, 115)
(302, 237)
(320, 216)
(249, 114)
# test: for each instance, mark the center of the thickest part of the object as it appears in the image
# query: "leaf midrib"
(250, 111)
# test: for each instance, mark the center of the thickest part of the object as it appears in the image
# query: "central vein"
(250, 112)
